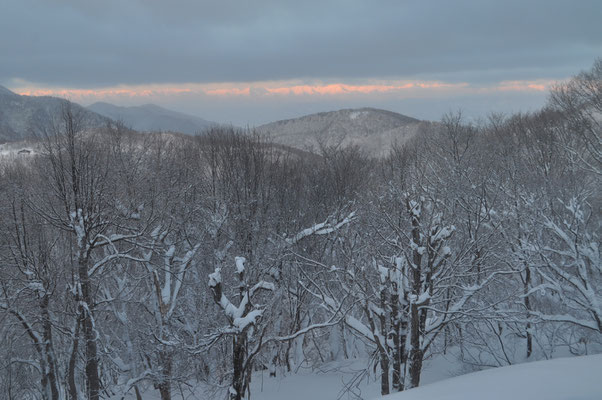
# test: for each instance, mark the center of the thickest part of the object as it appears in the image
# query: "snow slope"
(577, 378)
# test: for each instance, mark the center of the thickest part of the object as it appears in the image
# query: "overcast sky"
(250, 62)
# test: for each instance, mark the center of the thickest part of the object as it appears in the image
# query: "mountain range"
(371, 129)
(23, 116)
(150, 117)
(29, 116)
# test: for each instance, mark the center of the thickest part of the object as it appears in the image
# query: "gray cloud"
(91, 44)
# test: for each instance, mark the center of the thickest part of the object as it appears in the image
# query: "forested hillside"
(375, 131)
(25, 117)
(134, 264)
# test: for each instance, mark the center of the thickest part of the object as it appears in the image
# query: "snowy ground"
(329, 382)
(332, 379)
(578, 378)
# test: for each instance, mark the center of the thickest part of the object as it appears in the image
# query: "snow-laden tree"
(243, 318)
(569, 266)
(168, 276)
(537, 174)
(31, 288)
(78, 197)
(254, 294)
(580, 103)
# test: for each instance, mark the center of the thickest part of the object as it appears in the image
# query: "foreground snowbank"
(578, 378)
(575, 378)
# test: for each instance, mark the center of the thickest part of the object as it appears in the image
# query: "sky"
(252, 62)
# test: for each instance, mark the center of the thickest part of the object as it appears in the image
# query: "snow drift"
(578, 378)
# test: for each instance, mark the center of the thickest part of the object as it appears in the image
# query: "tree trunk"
(384, 373)
(416, 353)
(92, 376)
(49, 351)
(415, 323)
(238, 377)
(396, 317)
(403, 351)
(384, 357)
(165, 361)
(73, 359)
(528, 307)
(44, 378)
(137, 392)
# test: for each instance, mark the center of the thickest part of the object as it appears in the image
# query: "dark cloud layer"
(100, 43)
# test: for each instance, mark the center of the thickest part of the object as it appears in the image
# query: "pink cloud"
(228, 92)
(539, 85)
(332, 89)
(405, 88)
(79, 94)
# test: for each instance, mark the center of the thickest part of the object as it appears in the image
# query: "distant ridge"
(22, 117)
(150, 117)
(6, 91)
(372, 129)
